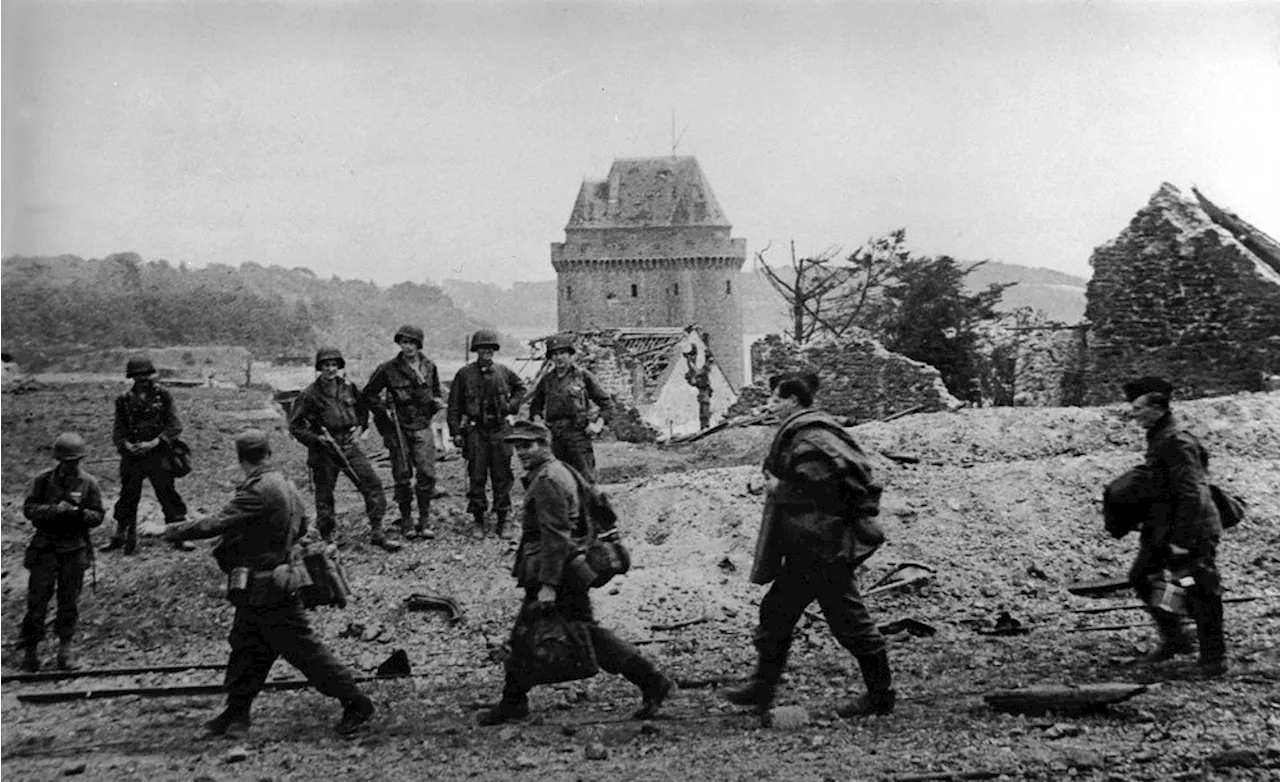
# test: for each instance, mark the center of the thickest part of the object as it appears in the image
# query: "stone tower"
(649, 246)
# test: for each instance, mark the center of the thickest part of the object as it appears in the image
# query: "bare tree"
(860, 302)
(808, 286)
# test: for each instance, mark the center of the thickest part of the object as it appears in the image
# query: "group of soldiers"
(819, 521)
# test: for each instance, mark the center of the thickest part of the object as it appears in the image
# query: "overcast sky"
(408, 141)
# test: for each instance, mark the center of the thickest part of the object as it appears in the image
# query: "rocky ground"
(1003, 504)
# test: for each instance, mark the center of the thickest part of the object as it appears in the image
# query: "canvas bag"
(547, 648)
(603, 554)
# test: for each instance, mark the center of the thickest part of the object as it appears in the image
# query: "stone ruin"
(1188, 291)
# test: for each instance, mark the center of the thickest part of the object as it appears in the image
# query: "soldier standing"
(551, 514)
(328, 417)
(700, 379)
(259, 526)
(1180, 528)
(146, 425)
(63, 504)
(482, 399)
(412, 386)
(562, 397)
(817, 528)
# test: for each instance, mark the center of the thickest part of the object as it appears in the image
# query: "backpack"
(1231, 507)
(603, 555)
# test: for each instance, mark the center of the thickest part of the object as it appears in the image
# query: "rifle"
(343, 462)
(405, 460)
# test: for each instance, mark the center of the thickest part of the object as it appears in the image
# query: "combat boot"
(655, 687)
(114, 545)
(1174, 640)
(405, 522)
(761, 689)
(505, 711)
(379, 538)
(232, 722)
(424, 530)
(31, 658)
(478, 518)
(66, 660)
(131, 538)
(500, 526)
(880, 696)
(355, 712)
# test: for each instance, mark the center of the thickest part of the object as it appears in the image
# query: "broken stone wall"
(1049, 368)
(1177, 295)
(861, 380)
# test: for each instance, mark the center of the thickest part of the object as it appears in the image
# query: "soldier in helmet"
(259, 528)
(329, 417)
(63, 504)
(146, 425)
(482, 399)
(412, 388)
(561, 398)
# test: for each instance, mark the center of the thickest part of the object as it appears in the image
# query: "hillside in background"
(59, 306)
(532, 305)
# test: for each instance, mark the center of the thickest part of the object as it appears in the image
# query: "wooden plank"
(1039, 700)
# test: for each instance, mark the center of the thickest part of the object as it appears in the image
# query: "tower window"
(675, 289)
(568, 292)
(728, 287)
(635, 290)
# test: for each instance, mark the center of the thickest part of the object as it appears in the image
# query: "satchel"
(547, 648)
(328, 584)
(603, 552)
(178, 458)
(1231, 508)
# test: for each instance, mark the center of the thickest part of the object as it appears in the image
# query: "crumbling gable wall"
(861, 380)
(1177, 295)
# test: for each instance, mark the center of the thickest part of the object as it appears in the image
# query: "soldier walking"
(551, 515)
(259, 527)
(329, 417)
(63, 504)
(483, 397)
(817, 528)
(412, 387)
(561, 400)
(146, 426)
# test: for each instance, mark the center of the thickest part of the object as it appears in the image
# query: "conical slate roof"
(647, 193)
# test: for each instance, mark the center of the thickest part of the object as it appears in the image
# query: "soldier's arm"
(597, 394)
(538, 403)
(551, 506)
(246, 506)
(120, 429)
(300, 421)
(517, 390)
(172, 423)
(37, 506)
(453, 413)
(1186, 479)
(363, 405)
(433, 382)
(91, 507)
(372, 394)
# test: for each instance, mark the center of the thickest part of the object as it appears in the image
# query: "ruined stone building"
(1189, 291)
(650, 247)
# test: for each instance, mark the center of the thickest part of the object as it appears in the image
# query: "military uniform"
(481, 398)
(817, 529)
(140, 416)
(58, 554)
(562, 397)
(414, 398)
(551, 515)
(256, 527)
(336, 405)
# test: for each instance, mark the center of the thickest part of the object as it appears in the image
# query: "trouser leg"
(402, 477)
(845, 611)
(126, 507)
(423, 442)
(41, 583)
(780, 610)
(290, 636)
(324, 474)
(479, 456)
(1204, 604)
(167, 495)
(250, 660)
(500, 453)
(368, 483)
(70, 585)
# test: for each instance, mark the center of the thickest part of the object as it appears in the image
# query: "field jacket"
(143, 417)
(338, 405)
(483, 396)
(414, 391)
(62, 532)
(551, 513)
(562, 397)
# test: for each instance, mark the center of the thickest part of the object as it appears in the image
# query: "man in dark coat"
(330, 417)
(412, 387)
(483, 398)
(259, 528)
(63, 504)
(561, 400)
(552, 514)
(818, 526)
(146, 426)
(1180, 526)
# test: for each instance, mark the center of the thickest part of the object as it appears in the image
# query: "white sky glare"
(401, 141)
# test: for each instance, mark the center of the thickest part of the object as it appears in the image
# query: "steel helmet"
(69, 445)
(484, 338)
(138, 366)
(560, 342)
(329, 354)
(410, 332)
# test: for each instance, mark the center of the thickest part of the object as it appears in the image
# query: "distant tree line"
(55, 304)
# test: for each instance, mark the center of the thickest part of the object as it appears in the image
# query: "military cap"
(139, 366)
(529, 430)
(1146, 385)
(252, 440)
(68, 446)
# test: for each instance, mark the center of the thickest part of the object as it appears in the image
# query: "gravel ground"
(1003, 504)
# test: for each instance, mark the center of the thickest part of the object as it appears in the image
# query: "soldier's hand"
(596, 426)
(148, 446)
(63, 507)
(457, 441)
(537, 419)
(364, 433)
(770, 482)
(546, 598)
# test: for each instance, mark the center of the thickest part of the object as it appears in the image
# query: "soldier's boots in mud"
(125, 538)
(355, 713)
(424, 530)
(762, 688)
(500, 527)
(31, 658)
(880, 696)
(655, 686)
(67, 660)
(513, 706)
(232, 723)
(379, 538)
(1174, 640)
(479, 527)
